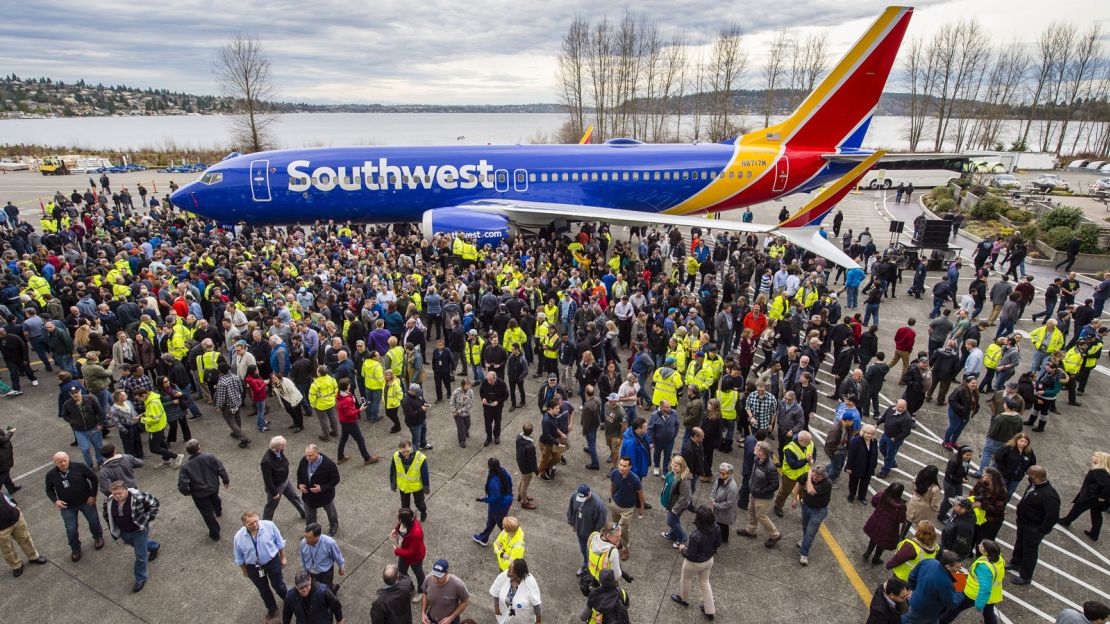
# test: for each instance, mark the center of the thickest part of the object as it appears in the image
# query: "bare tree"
(961, 50)
(571, 72)
(773, 72)
(920, 74)
(726, 66)
(673, 88)
(809, 61)
(1005, 78)
(1051, 45)
(1079, 77)
(244, 73)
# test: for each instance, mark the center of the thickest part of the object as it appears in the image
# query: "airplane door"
(782, 174)
(502, 181)
(520, 180)
(260, 180)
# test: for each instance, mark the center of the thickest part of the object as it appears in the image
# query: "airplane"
(486, 193)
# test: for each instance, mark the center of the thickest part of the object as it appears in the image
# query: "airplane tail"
(813, 212)
(837, 112)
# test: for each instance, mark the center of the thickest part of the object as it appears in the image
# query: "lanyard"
(257, 558)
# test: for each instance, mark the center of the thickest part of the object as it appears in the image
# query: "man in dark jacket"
(693, 452)
(587, 513)
(72, 488)
(959, 532)
(310, 603)
(393, 604)
(275, 479)
(898, 425)
(317, 477)
(527, 464)
(200, 478)
(933, 587)
(17, 357)
(946, 364)
(764, 482)
(1037, 512)
(415, 409)
(443, 367)
(889, 602)
(85, 416)
(493, 392)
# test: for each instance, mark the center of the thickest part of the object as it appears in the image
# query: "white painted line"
(31, 472)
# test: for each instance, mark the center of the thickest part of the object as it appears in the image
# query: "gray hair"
(727, 467)
(820, 469)
(277, 441)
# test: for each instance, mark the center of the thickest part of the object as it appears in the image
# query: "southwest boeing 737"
(485, 192)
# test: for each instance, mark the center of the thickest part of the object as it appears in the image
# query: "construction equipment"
(54, 165)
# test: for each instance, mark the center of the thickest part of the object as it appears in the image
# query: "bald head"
(1037, 474)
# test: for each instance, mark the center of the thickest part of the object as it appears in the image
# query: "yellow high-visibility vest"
(1037, 337)
(207, 361)
(393, 394)
(408, 481)
(798, 453)
(598, 561)
(665, 388)
(1094, 352)
(903, 569)
(374, 374)
(1073, 361)
(474, 352)
(728, 399)
(508, 548)
(396, 357)
(998, 570)
(322, 393)
(992, 355)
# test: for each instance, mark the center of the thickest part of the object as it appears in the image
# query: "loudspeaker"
(896, 227)
(934, 234)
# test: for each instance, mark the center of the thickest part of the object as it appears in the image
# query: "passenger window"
(593, 177)
(666, 175)
(685, 175)
(624, 176)
(565, 177)
(543, 177)
(604, 176)
(573, 176)
(635, 176)
(657, 175)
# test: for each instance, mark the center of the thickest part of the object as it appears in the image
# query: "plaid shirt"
(134, 383)
(763, 408)
(229, 392)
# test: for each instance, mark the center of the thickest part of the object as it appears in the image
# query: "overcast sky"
(429, 52)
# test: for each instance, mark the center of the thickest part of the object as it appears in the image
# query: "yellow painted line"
(846, 565)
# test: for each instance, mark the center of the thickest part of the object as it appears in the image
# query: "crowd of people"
(701, 361)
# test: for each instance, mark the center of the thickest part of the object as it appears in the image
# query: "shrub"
(1030, 232)
(945, 205)
(1087, 234)
(962, 183)
(1058, 237)
(989, 207)
(941, 192)
(1019, 216)
(977, 190)
(1063, 216)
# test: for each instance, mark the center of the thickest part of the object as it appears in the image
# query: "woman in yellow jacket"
(984, 584)
(321, 397)
(155, 423)
(392, 399)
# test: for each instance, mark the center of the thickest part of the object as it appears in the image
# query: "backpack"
(587, 582)
(665, 495)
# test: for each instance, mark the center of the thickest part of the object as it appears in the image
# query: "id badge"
(261, 572)
(65, 483)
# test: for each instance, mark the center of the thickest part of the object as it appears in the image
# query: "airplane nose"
(186, 198)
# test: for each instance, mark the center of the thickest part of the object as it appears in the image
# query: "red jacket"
(257, 386)
(411, 550)
(347, 408)
(755, 323)
(903, 339)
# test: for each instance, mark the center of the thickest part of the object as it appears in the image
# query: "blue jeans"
(937, 303)
(661, 454)
(730, 430)
(1039, 358)
(477, 373)
(69, 519)
(955, 427)
(811, 523)
(40, 350)
(494, 516)
(582, 547)
(674, 522)
(591, 447)
(990, 447)
(1005, 328)
(260, 414)
(630, 413)
(143, 545)
(888, 447)
(836, 464)
(65, 362)
(373, 402)
(92, 438)
(871, 311)
(419, 435)
(853, 295)
(104, 398)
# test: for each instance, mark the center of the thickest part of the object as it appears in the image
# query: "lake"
(326, 129)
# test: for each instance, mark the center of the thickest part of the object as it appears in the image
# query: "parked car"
(1101, 185)
(1005, 181)
(1050, 182)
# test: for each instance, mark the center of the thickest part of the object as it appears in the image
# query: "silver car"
(1005, 181)
(1050, 182)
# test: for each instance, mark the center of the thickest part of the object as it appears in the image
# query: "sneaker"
(804, 560)
(771, 541)
(177, 461)
(13, 393)
(665, 535)
(478, 540)
(34, 382)
(655, 471)
(427, 447)
(263, 430)
(835, 485)
(417, 596)
(675, 545)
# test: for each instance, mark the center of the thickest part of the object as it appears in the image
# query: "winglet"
(826, 200)
(586, 137)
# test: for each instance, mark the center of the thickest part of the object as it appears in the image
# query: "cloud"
(495, 51)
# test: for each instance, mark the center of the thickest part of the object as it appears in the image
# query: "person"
(310, 602)
(408, 473)
(607, 602)
(763, 483)
(862, 458)
(516, 594)
(445, 595)
(885, 523)
(13, 527)
(697, 559)
(321, 557)
(988, 499)
(129, 512)
(517, 370)
(1002, 428)
(963, 403)
(443, 364)
(415, 410)
(462, 401)
(591, 421)
(1037, 512)
(958, 534)
(392, 604)
(509, 544)
(983, 589)
(498, 498)
(955, 476)
(84, 417)
(493, 392)
(897, 424)
(586, 513)
(392, 396)
(317, 477)
(200, 479)
(321, 396)
(259, 551)
(677, 497)
(636, 447)
(116, 467)
(934, 590)
(228, 398)
(1014, 461)
(626, 493)
(889, 602)
(72, 487)
(913, 550)
(1094, 612)
(408, 545)
(604, 549)
(662, 430)
(349, 412)
(127, 420)
(275, 479)
(1093, 495)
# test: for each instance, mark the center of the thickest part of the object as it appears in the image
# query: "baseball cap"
(612, 397)
(960, 501)
(583, 493)
(303, 579)
(551, 376)
(439, 569)
(473, 332)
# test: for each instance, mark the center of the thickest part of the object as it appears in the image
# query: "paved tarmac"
(196, 580)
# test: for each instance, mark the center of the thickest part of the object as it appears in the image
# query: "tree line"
(631, 78)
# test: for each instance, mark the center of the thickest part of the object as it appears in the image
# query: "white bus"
(927, 170)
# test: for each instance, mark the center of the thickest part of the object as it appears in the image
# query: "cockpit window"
(211, 178)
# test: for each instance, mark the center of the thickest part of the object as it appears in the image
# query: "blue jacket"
(933, 590)
(279, 360)
(637, 449)
(498, 502)
(854, 277)
(662, 431)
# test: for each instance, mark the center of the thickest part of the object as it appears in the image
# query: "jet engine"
(480, 228)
